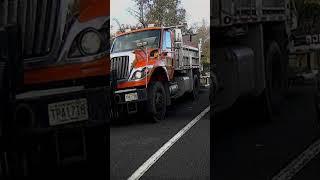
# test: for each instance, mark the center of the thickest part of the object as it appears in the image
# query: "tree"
(159, 12)
(123, 27)
(166, 12)
(203, 33)
(142, 6)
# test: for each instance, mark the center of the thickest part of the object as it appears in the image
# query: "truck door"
(167, 49)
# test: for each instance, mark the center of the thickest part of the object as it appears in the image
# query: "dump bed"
(229, 12)
(189, 58)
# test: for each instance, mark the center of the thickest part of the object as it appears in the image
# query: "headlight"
(139, 74)
(90, 43)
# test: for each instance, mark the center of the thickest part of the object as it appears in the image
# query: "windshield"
(129, 42)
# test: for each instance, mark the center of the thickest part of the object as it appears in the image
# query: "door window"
(167, 40)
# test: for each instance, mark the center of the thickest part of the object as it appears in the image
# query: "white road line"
(297, 164)
(154, 158)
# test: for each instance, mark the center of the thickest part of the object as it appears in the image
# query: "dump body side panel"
(228, 12)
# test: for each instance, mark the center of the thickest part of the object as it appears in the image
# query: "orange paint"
(99, 67)
(90, 9)
(140, 64)
(133, 84)
(140, 58)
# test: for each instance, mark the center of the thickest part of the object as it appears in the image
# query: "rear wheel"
(213, 91)
(156, 103)
(196, 87)
(275, 81)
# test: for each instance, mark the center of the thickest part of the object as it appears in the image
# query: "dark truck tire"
(272, 96)
(196, 87)
(213, 87)
(266, 106)
(213, 92)
(156, 103)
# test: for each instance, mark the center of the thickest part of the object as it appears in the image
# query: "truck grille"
(121, 65)
(37, 20)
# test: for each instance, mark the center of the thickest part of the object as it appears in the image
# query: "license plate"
(68, 111)
(131, 97)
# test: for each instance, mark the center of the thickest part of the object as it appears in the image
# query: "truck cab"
(152, 66)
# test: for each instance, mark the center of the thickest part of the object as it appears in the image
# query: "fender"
(162, 70)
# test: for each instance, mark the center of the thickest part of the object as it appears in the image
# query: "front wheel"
(157, 103)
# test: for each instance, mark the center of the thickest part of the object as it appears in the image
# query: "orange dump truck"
(151, 66)
(60, 110)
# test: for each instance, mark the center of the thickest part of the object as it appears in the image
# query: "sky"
(196, 11)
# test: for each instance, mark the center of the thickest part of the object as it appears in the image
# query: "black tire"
(157, 103)
(213, 86)
(275, 80)
(213, 92)
(196, 87)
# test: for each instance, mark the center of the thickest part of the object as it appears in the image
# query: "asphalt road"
(246, 147)
(132, 142)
